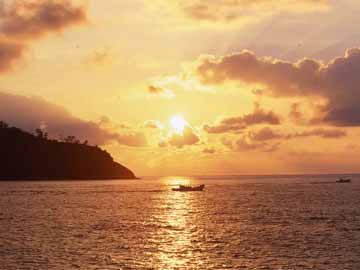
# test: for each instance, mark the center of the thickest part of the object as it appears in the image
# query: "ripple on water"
(143, 225)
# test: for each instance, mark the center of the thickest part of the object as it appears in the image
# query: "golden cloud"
(239, 123)
(26, 20)
(234, 10)
(244, 144)
(9, 53)
(186, 138)
(209, 151)
(29, 113)
(267, 133)
(337, 82)
(267, 139)
(155, 89)
(153, 124)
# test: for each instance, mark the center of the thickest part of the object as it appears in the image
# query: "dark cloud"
(230, 10)
(134, 139)
(319, 132)
(9, 53)
(202, 11)
(163, 144)
(188, 137)
(155, 89)
(258, 92)
(179, 140)
(22, 21)
(29, 113)
(348, 115)
(295, 114)
(105, 121)
(281, 78)
(227, 142)
(154, 124)
(244, 144)
(236, 124)
(32, 19)
(273, 147)
(267, 133)
(209, 151)
(269, 140)
(337, 82)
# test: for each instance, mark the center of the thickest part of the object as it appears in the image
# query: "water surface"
(236, 223)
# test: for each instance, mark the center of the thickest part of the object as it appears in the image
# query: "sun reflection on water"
(179, 218)
(177, 180)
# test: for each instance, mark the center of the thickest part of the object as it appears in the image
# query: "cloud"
(238, 123)
(244, 144)
(26, 20)
(280, 78)
(160, 91)
(232, 10)
(337, 82)
(154, 124)
(106, 122)
(179, 83)
(9, 53)
(135, 139)
(163, 144)
(267, 133)
(295, 114)
(155, 89)
(179, 140)
(227, 142)
(29, 113)
(209, 151)
(269, 140)
(324, 133)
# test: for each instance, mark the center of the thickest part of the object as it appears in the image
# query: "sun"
(178, 123)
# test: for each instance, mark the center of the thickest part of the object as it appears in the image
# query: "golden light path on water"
(241, 223)
(179, 217)
(177, 180)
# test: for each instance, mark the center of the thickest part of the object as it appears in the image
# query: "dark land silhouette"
(25, 156)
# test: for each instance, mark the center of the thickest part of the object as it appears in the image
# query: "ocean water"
(236, 223)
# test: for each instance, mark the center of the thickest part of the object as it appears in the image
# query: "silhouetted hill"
(24, 156)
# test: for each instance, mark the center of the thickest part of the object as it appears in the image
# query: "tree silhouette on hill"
(25, 156)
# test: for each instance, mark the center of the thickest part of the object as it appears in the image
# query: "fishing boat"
(184, 188)
(343, 180)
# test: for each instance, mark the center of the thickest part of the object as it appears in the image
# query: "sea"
(237, 222)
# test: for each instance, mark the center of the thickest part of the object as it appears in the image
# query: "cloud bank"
(267, 139)
(23, 21)
(238, 123)
(29, 113)
(268, 133)
(186, 138)
(230, 10)
(337, 82)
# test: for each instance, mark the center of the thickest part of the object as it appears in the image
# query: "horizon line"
(250, 175)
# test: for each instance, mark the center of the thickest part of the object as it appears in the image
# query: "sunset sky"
(189, 86)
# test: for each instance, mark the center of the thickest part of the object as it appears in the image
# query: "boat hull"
(343, 181)
(189, 189)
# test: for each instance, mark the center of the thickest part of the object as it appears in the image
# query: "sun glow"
(178, 123)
